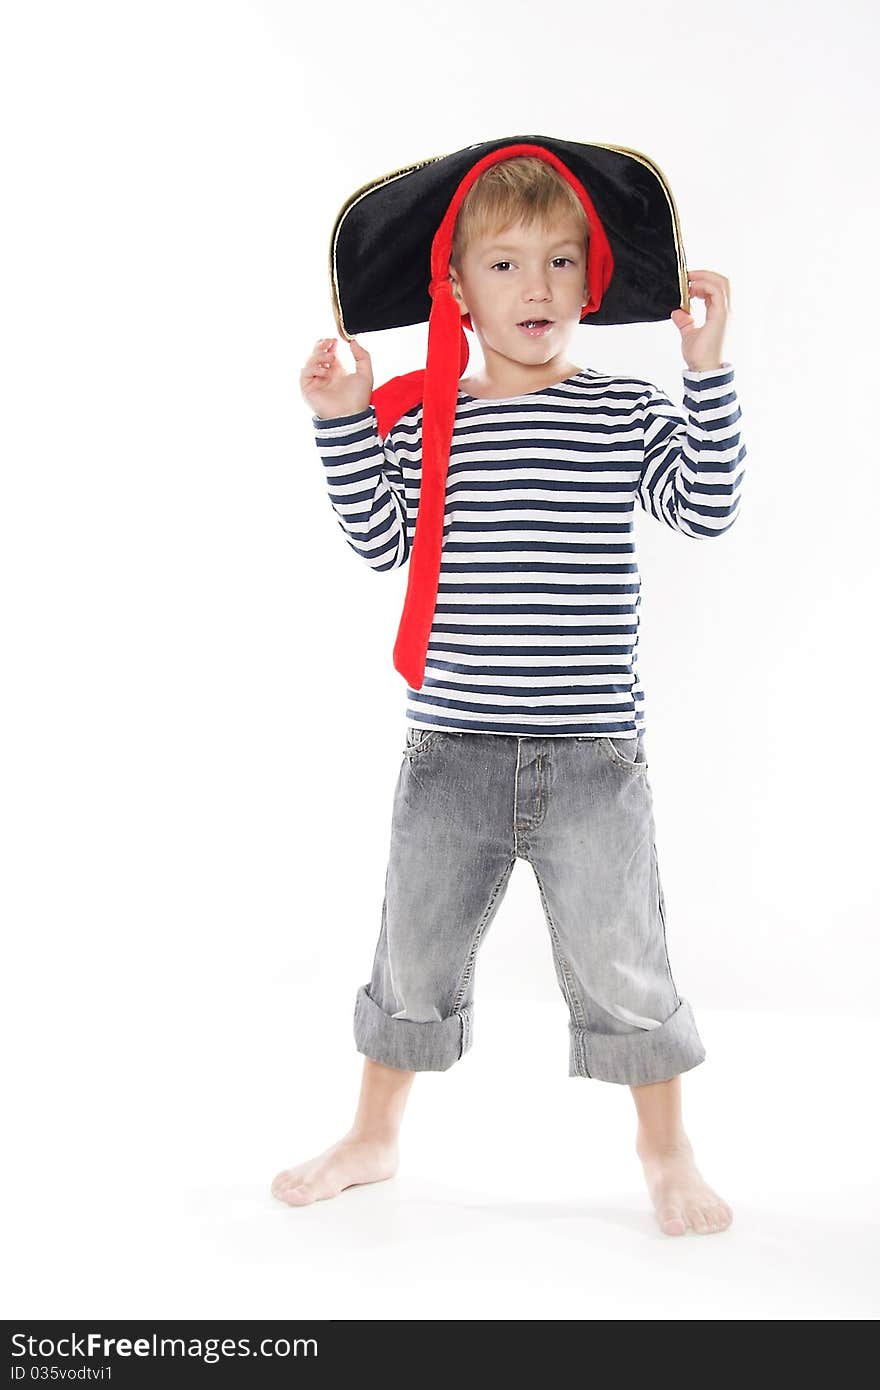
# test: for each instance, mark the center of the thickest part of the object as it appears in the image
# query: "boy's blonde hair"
(524, 188)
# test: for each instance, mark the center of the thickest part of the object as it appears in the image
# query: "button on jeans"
(579, 810)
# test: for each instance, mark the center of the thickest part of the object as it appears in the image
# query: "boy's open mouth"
(535, 327)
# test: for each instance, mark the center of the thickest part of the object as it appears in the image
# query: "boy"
(527, 737)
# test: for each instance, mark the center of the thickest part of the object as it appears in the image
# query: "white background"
(201, 724)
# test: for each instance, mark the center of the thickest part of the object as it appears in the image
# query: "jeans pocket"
(627, 751)
(417, 740)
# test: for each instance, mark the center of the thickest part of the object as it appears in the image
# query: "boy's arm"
(694, 460)
(366, 487)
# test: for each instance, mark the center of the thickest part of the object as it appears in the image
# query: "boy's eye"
(556, 258)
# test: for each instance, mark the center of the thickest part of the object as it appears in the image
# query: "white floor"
(519, 1194)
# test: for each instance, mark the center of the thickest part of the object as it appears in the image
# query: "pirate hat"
(389, 268)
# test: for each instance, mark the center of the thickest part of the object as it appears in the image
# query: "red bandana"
(436, 385)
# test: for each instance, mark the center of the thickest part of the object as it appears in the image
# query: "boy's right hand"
(328, 388)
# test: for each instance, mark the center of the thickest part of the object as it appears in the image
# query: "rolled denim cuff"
(405, 1043)
(641, 1057)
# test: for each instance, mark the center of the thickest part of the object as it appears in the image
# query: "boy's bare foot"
(680, 1196)
(352, 1160)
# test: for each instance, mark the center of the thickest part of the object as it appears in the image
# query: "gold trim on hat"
(423, 163)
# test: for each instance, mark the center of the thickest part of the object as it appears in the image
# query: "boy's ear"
(457, 294)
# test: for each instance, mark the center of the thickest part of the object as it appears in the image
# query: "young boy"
(526, 738)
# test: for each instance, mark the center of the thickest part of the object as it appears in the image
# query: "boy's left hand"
(702, 347)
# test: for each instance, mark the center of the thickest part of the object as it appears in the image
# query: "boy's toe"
(697, 1218)
(671, 1218)
(720, 1215)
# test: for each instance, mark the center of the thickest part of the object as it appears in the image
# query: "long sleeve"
(694, 460)
(366, 487)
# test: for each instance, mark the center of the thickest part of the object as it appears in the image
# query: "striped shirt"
(535, 630)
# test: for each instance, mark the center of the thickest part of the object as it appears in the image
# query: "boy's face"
(521, 274)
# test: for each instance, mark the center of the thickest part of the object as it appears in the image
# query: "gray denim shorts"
(579, 809)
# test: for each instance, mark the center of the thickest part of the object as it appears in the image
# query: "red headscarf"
(436, 385)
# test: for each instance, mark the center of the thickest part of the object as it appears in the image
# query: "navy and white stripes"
(535, 631)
